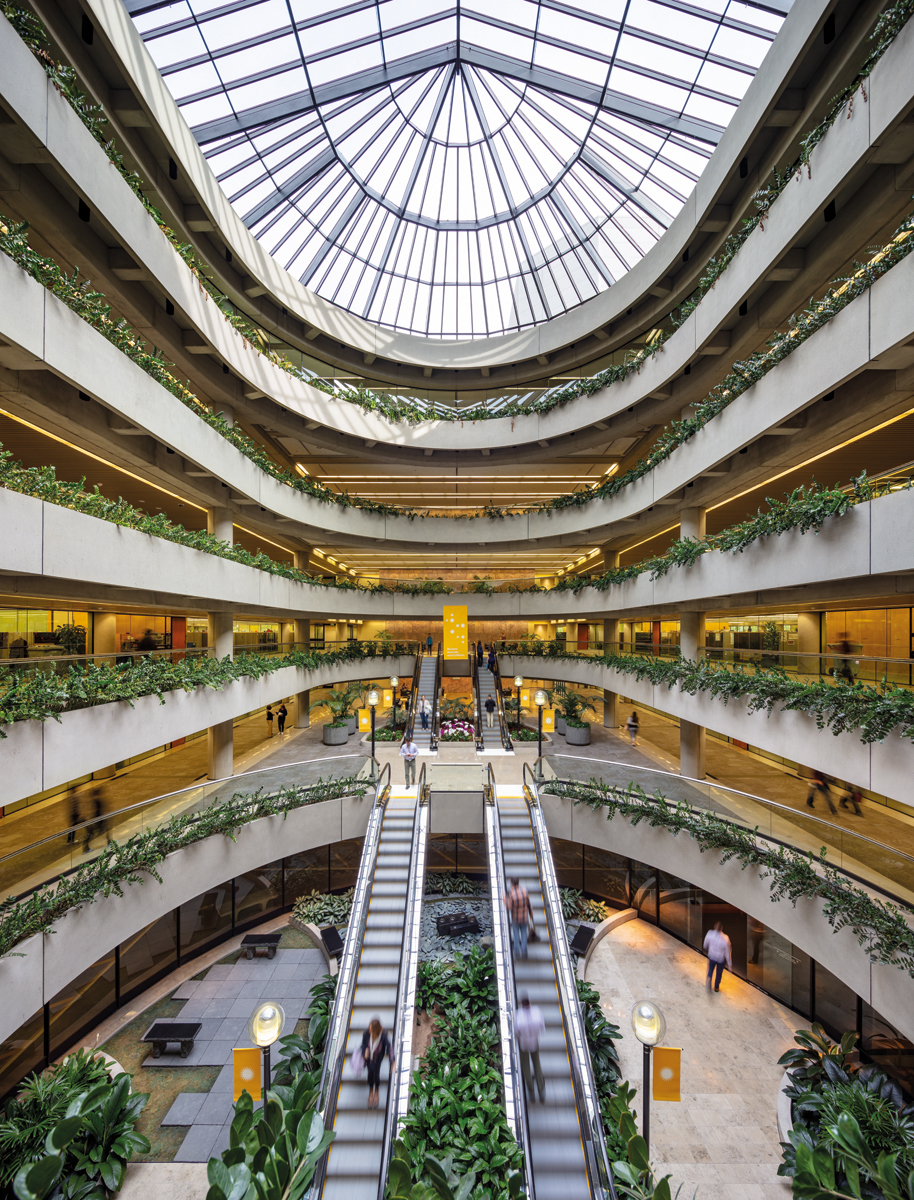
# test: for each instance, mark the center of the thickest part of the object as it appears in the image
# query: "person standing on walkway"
(281, 713)
(428, 644)
(520, 912)
(408, 752)
(376, 1046)
(490, 661)
(720, 953)
(490, 712)
(425, 710)
(528, 1027)
(632, 726)
(480, 654)
(270, 720)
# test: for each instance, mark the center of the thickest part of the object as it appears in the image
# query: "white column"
(691, 645)
(610, 699)
(220, 739)
(302, 699)
(692, 522)
(219, 524)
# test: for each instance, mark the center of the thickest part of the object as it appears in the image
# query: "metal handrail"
(413, 698)
(585, 1090)
(119, 812)
(341, 1017)
(438, 689)
(784, 809)
(503, 727)
(405, 1010)
(479, 736)
(515, 1096)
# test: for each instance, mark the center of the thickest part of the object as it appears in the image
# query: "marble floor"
(721, 1139)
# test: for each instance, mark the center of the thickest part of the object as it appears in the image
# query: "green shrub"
(324, 908)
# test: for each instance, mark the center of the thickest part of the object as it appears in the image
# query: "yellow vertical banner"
(548, 720)
(455, 631)
(387, 698)
(364, 720)
(525, 698)
(666, 1072)
(247, 1071)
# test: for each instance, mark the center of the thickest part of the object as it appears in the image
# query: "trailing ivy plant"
(879, 926)
(137, 860)
(34, 694)
(873, 710)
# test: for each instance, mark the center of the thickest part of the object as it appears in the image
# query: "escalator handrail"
(479, 736)
(503, 727)
(341, 1016)
(516, 1101)
(413, 698)
(585, 1091)
(404, 1011)
(436, 707)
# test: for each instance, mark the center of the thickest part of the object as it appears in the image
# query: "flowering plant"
(456, 731)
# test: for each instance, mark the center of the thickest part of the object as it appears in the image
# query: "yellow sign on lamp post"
(364, 720)
(455, 631)
(666, 1072)
(548, 720)
(247, 1072)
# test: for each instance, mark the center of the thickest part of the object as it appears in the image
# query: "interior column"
(219, 737)
(219, 524)
(610, 646)
(691, 646)
(302, 699)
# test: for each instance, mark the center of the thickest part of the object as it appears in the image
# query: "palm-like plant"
(574, 706)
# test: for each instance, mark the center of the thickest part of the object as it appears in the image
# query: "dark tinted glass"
(305, 873)
(606, 876)
(887, 1047)
(81, 1004)
(680, 908)
(836, 1004)
(147, 954)
(344, 863)
(776, 965)
(442, 852)
(21, 1053)
(258, 894)
(471, 855)
(206, 918)
(644, 891)
(568, 859)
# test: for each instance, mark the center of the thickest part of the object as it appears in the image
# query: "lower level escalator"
(357, 1159)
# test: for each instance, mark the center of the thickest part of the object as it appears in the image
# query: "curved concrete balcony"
(869, 336)
(44, 754)
(843, 156)
(50, 963)
(50, 550)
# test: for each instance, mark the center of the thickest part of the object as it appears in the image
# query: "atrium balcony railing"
(48, 859)
(882, 868)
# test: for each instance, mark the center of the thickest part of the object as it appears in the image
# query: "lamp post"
(374, 697)
(539, 700)
(518, 684)
(649, 1025)
(394, 684)
(265, 1026)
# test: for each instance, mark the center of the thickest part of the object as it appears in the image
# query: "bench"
(160, 1033)
(333, 943)
(264, 941)
(581, 940)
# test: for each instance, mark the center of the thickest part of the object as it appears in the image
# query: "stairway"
(556, 1155)
(354, 1159)
(427, 670)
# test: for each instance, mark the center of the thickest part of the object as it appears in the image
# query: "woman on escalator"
(375, 1045)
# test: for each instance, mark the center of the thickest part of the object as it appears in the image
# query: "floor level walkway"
(722, 1136)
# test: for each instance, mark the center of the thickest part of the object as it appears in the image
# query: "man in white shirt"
(719, 951)
(408, 752)
(528, 1026)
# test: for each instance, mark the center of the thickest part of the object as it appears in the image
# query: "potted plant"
(574, 708)
(339, 704)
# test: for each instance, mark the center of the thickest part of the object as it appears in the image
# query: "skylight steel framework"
(450, 172)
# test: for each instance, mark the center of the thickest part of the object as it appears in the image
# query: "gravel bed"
(443, 949)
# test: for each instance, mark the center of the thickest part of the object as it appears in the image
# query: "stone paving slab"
(198, 1144)
(185, 1109)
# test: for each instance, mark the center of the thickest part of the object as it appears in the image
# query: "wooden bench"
(160, 1033)
(265, 941)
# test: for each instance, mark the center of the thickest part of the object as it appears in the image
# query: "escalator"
(486, 685)
(377, 979)
(564, 1142)
(426, 683)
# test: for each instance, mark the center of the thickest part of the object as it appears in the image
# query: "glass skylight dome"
(451, 172)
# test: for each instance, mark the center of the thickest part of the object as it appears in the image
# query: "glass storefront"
(37, 633)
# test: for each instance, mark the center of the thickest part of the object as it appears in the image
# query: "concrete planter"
(352, 724)
(559, 724)
(576, 736)
(336, 735)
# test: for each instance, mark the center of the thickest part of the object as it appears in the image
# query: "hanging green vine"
(35, 694)
(138, 859)
(880, 927)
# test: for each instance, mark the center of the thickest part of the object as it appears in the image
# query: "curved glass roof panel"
(449, 171)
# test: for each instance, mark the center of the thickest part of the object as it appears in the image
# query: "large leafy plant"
(324, 908)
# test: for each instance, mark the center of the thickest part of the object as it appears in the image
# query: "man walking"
(517, 902)
(528, 1026)
(719, 951)
(408, 752)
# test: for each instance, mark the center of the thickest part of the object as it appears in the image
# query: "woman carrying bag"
(375, 1045)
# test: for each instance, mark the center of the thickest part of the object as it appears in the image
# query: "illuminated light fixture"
(593, 552)
(265, 1027)
(319, 553)
(330, 558)
(301, 470)
(648, 1023)
(581, 559)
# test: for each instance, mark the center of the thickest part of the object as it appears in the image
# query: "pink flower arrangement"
(456, 731)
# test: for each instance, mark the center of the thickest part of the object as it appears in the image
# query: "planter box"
(336, 735)
(559, 724)
(352, 724)
(577, 737)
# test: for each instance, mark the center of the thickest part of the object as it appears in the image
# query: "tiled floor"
(223, 1002)
(722, 1136)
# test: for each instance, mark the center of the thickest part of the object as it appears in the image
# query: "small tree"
(72, 638)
